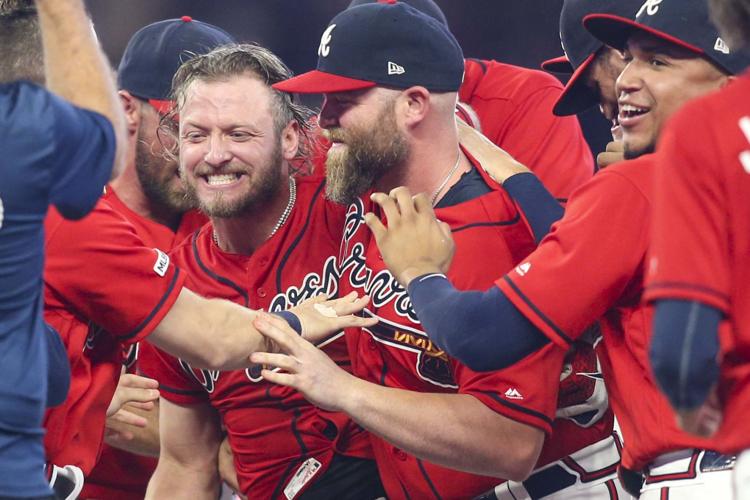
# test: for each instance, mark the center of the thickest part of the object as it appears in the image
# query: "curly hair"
(732, 17)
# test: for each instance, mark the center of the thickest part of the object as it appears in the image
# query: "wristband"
(292, 319)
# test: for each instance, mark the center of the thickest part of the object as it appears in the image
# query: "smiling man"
(591, 266)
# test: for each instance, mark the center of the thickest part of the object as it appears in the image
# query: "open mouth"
(221, 179)
(629, 112)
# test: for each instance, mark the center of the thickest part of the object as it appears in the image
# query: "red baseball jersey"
(701, 236)
(120, 475)
(590, 268)
(274, 431)
(514, 106)
(490, 238)
(103, 289)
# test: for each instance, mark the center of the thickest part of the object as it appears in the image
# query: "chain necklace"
(445, 181)
(284, 215)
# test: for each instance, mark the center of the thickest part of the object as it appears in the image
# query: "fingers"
(278, 331)
(129, 418)
(378, 228)
(280, 378)
(352, 321)
(422, 205)
(387, 205)
(283, 361)
(404, 201)
(137, 394)
(348, 304)
(136, 381)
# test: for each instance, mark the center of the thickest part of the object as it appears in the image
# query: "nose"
(630, 79)
(218, 154)
(328, 117)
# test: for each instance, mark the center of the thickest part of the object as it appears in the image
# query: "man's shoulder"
(496, 80)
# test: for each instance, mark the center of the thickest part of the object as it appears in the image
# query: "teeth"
(218, 180)
(630, 110)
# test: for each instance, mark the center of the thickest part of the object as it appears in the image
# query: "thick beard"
(368, 155)
(266, 182)
(150, 170)
(632, 154)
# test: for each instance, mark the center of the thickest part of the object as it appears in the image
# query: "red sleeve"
(99, 268)
(583, 266)
(689, 250)
(553, 147)
(175, 383)
(513, 393)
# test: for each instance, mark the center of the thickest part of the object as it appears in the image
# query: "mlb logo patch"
(162, 263)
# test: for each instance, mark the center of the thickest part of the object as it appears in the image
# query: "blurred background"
(521, 32)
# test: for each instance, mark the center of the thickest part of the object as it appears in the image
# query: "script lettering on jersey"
(432, 364)
(745, 155)
(382, 287)
(206, 378)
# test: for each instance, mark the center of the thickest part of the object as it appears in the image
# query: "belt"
(685, 464)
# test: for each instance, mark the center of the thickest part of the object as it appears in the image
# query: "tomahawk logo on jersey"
(397, 353)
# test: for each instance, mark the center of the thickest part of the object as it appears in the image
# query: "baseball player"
(596, 253)
(698, 259)
(512, 106)
(593, 67)
(55, 152)
(439, 429)
(272, 243)
(151, 196)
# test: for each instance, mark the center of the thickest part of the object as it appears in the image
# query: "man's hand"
(614, 153)
(303, 367)
(320, 318)
(141, 392)
(495, 161)
(703, 421)
(415, 242)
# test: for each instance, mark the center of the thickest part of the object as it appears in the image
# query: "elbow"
(518, 461)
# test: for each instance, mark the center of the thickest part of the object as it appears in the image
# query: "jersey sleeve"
(583, 266)
(82, 156)
(176, 383)
(99, 268)
(512, 393)
(689, 242)
(553, 147)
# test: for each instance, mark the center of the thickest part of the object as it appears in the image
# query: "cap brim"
(576, 96)
(558, 65)
(320, 82)
(615, 31)
(164, 107)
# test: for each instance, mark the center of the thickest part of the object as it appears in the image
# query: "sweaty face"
(365, 145)
(157, 172)
(659, 78)
(230, 151)
(601, 78)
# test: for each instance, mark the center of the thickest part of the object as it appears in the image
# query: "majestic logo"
(651, 7)
(512, 393)
(325, 41)
(395, 69)
(721, 46)
(522, 269)
(2, 213)
(162, 263)
(745, 155)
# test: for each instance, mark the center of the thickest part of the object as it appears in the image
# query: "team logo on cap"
(395, 69)
(651, 7)
(325, 41)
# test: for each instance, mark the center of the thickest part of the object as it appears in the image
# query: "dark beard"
(156, 188)
(265, 186)
(370, 155)
(632, 154)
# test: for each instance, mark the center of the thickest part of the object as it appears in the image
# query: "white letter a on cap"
(325, 40)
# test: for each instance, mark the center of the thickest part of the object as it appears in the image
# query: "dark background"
(521, 32)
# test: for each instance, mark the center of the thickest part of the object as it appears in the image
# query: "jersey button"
(262, 292)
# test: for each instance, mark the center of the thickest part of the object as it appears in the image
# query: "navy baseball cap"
(685, 23)
(581, 48)
(156, 51)
(390, 44)
(425, 6)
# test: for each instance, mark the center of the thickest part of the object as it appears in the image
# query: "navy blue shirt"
(51, 152)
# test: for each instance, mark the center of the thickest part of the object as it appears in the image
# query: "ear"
(414, 104)
(290, 140)
(133, 109)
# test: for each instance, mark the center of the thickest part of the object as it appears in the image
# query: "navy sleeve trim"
(527, 411)
(536, 310)
(537, 204)
(156, 309)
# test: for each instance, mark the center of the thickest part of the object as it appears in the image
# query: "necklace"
(445, 181)
(284, 215)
